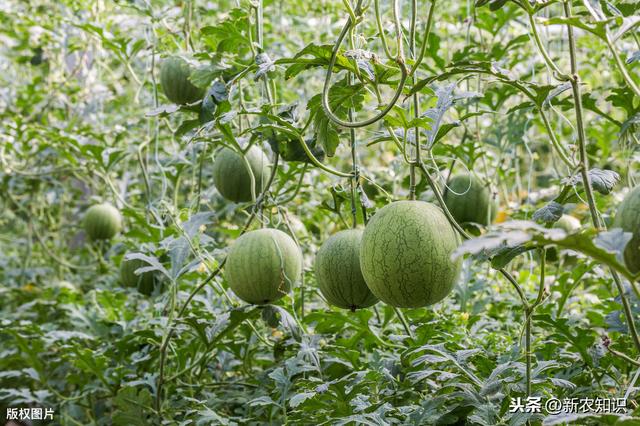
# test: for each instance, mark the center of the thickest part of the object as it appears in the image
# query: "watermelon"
(263, 265)
(469, 201)
(628, 218)
(338, 273)
(405, 254)
(145, 282)
(174, 79)
(102, 222)
(231, 176)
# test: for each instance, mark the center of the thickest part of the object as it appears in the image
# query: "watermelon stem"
(404, 322)
(353, 180)
(463, 233)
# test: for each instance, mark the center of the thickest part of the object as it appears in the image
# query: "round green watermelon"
(174, 79)
(263, 265)
(405, 254)
(231, 176)
(102, 222)
(628, 218)
(338, 271)
(469, 201)
(567, 223)
(145, 282)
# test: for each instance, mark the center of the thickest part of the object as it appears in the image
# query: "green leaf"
(230, 35)
(132, 407)
(628, 23)
(501, 258)
(342, 97)
(227, 322)
(497, 4)
(602, 181)
(290, 149)
(186, 126)
(519, 232)
(550, 213)
(320, 57)
(563, 329)
(614, 241)
(597, 28)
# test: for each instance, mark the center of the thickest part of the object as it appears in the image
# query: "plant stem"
(527, 348)
(383, 37)
(623, 356)
(354, 159)
(425, 39)
(203, 156)
(528, 314)
(621, 67)
(332, 62)
(584, 171)
(404, 322)
(466, 236)
(307, 151)
(416, 102)
(212, 275)
(554, 140)
(543, 51)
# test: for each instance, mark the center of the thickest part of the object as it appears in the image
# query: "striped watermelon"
(102, 222)
(338, 271)
(174, 79)
(405, 254)
(263, 265)
(628, 218)
(469, 200)
(231, 176)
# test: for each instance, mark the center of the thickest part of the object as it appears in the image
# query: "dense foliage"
(194, 125)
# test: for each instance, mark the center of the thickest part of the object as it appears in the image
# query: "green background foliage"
(533, 100)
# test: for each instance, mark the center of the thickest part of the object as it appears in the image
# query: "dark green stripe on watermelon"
(628, 218)
(405, 254)
(174, 79)
(338, 271)
(231, 176)
(263, 265)
(469, 200)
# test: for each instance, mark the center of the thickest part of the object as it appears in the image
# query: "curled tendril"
(355, 17)
(307, 151)
(334, 55)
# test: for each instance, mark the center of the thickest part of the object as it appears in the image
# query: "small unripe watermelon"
(628, 218)
(405, 254)
(338, 271)
(231, 175)
(567, 223)
(263, 265)
(102, 222)
(174, 78)
(469, 200)
(144, 282)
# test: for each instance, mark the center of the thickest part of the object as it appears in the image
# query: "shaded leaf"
(550, 213)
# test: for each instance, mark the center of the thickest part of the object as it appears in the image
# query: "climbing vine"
(332, 111)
